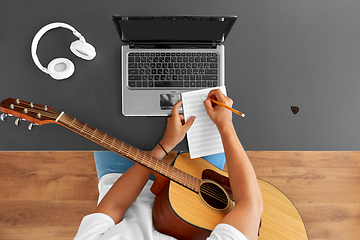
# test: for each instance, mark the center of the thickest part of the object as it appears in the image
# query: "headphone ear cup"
(60, 68)
(83, 50)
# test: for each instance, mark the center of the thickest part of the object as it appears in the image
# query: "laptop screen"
(173, 28)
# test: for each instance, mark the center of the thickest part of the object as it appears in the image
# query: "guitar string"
(131, 154)
(187, 182)
(182, 180)
(205, 189)
(215, 194)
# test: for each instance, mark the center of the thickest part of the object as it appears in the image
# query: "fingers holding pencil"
(219, 107)
(218, 114)
(218, 95)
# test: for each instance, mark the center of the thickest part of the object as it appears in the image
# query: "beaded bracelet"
(163, 149)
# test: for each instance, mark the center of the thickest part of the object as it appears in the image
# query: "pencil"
(227, 107)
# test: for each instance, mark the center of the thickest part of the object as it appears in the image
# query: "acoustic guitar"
(192, 195)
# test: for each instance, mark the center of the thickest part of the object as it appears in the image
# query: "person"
(124, 210)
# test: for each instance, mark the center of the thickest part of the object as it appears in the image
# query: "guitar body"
(184, 214)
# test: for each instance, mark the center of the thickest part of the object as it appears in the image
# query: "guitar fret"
(193, 183)
(112, 142)
(83, 128)
(103, 138)
(136, 155)
(155, 165)
(164, 168)
(147, 159)
(70, 119)
(88, 130)
(185, 179)
(72, 122)
(93, 133)
(115, 144)
(142, 161)
(161, 167)
(177, 175)
(143, 157)
(128, 151)
(150, 160)
(172, 172)
(99, 136)
(78, 125)
(190, 181)
(197, 184)
(121, 146)
(131, 152)
(167, 170)
(107, 140)
(182, 177)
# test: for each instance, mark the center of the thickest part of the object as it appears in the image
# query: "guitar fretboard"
(130, 152)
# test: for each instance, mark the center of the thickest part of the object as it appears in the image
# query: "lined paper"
(203, 137)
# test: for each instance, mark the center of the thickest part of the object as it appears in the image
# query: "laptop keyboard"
(173, 69)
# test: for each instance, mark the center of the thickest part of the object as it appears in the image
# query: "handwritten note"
(203, 137)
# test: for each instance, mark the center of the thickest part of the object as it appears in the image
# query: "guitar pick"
(295, 109)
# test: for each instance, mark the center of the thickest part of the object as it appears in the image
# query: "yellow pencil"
(227, 107)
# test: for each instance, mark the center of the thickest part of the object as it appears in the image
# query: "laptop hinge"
(161, 45)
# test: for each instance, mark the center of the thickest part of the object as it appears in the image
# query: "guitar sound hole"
(214, 195)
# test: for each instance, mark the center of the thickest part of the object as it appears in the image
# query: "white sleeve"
(226, 232)
(94, 226)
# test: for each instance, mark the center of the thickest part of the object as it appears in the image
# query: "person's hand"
(176, 128)
(221, 116)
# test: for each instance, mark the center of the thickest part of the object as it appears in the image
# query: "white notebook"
(203, 137)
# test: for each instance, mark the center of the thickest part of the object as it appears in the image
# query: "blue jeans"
(110, 162)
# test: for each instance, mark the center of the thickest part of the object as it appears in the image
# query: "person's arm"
(128, 187)
(247, 196)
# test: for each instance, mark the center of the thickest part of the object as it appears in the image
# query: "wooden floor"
(44, 195)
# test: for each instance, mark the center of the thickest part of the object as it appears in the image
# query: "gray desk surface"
(279, 54)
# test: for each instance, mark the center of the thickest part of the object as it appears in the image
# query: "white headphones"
(61, 68)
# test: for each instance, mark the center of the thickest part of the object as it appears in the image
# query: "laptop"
(163, 56)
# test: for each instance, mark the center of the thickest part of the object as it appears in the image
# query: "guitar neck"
(132, 153)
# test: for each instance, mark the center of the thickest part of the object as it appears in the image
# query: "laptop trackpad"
(168, 100)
